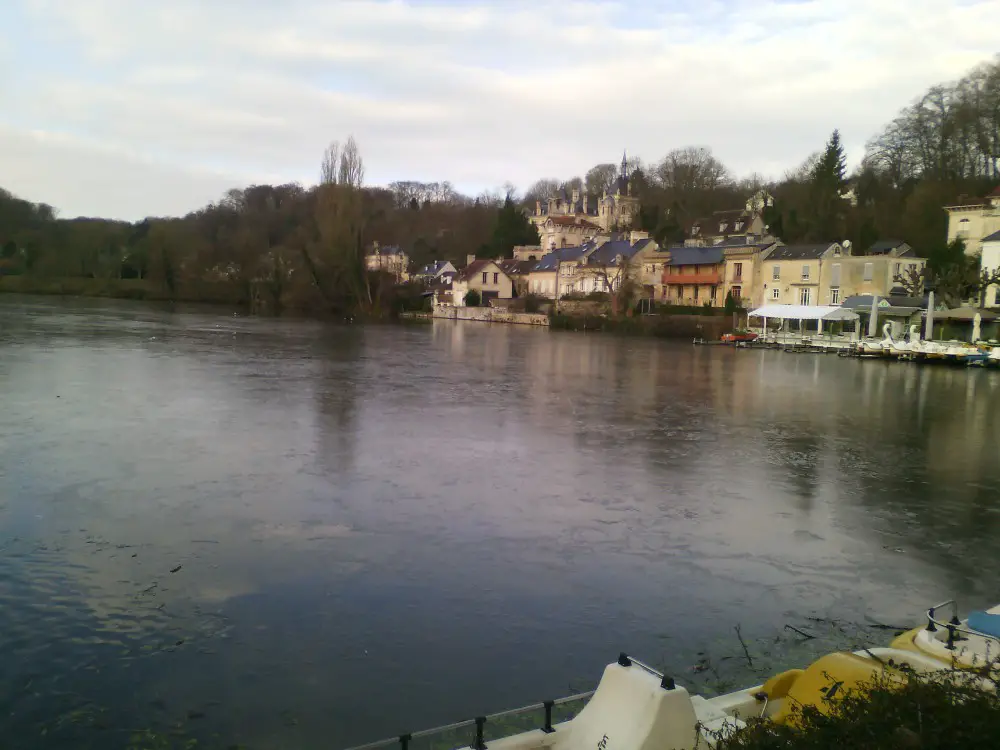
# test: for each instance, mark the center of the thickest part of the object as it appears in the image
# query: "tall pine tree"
(829, 181)
(512, 228)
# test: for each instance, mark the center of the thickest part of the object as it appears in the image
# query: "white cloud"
(195, 97)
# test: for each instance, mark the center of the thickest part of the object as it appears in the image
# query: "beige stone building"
(390, 259)
(742, 273)
(483, 276)
(827, 273)
(693, 276)
(990, 261)
(973, 220)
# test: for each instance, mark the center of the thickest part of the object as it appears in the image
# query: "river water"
(289, 534)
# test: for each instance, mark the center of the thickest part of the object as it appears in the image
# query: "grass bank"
(136, 289)
(668, 325)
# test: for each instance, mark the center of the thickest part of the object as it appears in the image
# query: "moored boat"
(635, 707)
(972, 642)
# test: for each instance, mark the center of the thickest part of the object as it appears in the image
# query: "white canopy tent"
(819, 313)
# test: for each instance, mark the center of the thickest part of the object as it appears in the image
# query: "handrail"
(953, 625)
(404, 739)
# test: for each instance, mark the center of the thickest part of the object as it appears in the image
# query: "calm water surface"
(286, 534)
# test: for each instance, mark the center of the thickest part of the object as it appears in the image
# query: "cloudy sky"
(128, 108)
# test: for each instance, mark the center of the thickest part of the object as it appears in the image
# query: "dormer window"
(739, 226)
(722, 226)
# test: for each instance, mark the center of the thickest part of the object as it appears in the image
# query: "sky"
(134, 108)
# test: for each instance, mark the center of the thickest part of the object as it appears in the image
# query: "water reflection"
(477, 516)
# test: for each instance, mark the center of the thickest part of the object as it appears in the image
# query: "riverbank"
(206, 292)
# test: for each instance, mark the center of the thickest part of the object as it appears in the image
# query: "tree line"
(304, 246)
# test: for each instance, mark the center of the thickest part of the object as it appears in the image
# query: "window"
(869, 271)
(804, 295)
(805, 272)
(722, 226)
(737, 271)
(484, 277)
(834, 296)
(696, 288)
(835, 275)
(775, 293)
(680, 292)
(714, 291)
(737, 292)
(776, 273)
(739, 226)
(898, 270)
(496, 278)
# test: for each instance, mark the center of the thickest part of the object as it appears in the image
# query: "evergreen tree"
(829, 181)
(512, 228)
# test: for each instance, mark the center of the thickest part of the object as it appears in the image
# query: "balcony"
(684, 279)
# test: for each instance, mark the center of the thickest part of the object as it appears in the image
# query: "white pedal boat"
(636, 708)
(972, 642)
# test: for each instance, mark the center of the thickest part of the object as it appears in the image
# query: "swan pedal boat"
(636, 707)
(970, 643)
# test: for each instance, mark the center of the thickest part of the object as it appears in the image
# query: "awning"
(804, 312)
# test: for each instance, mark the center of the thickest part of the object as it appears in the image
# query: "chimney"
(469, 260)
(538, 208)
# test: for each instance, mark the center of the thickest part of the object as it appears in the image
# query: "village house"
(570, 218)
(973, 220)
(613, 261)
(654, 260)
(557, 270)
(738, 222)
(693, 276)
(990, 261)
(518, 271)
(743, 267)
(483, 276)
(827, 273)
(791, 274)
(390, 259)
(433, 271)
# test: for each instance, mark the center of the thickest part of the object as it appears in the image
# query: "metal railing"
(953, 625)
(553, 712)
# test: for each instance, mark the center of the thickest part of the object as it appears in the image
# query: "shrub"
(472, 298)
(938, 712)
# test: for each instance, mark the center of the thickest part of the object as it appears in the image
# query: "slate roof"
(799, 252)
(551, 259)
(995, 237)
(608, 252)
(513, 267)
(882, 247)
(695, 256)
(709, 226)
(433, 269)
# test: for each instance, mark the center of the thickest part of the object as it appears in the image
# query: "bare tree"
(685, 170)
(329, 168)
(601, 179)
(541, 190)
(352, 166)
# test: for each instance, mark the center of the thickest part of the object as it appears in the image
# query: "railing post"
(548, 717)
(480, 726)
(667, 683)
(623, 660)
(930, 621)
(951, 637)
(404, 741)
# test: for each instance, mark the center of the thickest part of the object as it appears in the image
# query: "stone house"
(390, 259)
(973, 220)
(990, 261)
(485, 277)
(435, 270)
(693, 276)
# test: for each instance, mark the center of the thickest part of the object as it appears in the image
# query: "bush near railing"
(941, 712)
